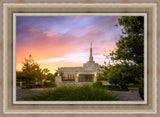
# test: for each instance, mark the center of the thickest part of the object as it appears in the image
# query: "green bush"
(30, 85)
(17, 84)
(74, 93)
(141, 86)
(102, 79)
(97, 84)
(49, 84)
(53, 84)
(67, 79)
(38, 86)
(141, 91)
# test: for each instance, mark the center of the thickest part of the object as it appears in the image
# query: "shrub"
(102, 79)
(17, 84)
(74, 93)
(97, 84)
(38, 86)
(53, 84)
(49, 84)
(141, 86)
(67, 79)
(30, 85)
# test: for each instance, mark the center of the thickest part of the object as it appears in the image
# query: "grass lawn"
(74, 93)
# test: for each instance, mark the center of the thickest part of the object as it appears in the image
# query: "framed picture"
(65, 68)
(80, 58)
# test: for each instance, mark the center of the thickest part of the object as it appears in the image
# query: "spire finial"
(91, 44)
(91, 57)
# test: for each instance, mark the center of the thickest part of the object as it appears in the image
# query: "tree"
(118, 75)
(31, 70)
(104, 71)
(33, 75)
(129, 53)
(45, 73)
(51, 77)
(130, 47)
(61, 74)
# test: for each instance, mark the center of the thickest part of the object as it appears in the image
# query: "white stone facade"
(81, 74)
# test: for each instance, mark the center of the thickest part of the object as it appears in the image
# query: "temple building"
(87, 73)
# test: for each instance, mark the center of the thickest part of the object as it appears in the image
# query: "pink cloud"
(51, 45)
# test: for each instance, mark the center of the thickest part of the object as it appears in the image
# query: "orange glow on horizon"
(64, 41)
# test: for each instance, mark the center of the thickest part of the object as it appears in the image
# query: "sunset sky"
(64, 41)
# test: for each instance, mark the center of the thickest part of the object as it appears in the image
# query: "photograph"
(79, 58)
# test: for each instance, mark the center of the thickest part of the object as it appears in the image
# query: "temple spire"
(91, 44)
(91, 57)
